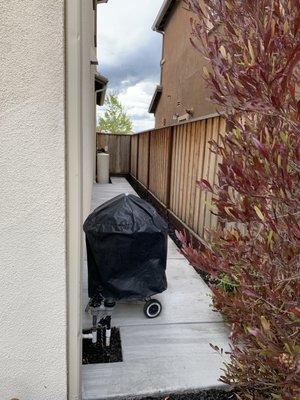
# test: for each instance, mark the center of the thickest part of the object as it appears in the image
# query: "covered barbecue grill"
(127, 251)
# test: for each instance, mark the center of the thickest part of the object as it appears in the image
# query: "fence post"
(169, 171)
(137, 157)
(149, 149)
(130, 153)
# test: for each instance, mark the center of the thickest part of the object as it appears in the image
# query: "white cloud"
(124, 26)
(129, 53)
(136, 100)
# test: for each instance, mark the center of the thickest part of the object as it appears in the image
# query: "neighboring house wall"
(33, 349)
(183, 87)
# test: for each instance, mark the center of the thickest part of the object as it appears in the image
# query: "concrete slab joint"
(166, 354)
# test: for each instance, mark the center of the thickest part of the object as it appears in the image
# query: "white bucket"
(102, 168)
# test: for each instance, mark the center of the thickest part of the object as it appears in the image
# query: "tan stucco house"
(49, 89)
(182, 93)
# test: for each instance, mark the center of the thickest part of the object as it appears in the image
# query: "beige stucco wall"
(33, 201)
(181, 72)
(88, 104)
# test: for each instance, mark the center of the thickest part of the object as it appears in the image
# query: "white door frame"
(73, 40)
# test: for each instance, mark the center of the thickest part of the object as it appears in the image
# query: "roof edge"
(159, 22)
(102, 81)
(155, 99)
(101, 78)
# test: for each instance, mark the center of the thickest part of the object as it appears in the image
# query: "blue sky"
(129, 54)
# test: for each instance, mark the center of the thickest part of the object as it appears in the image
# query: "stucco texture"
(32, 212)
(181, 73)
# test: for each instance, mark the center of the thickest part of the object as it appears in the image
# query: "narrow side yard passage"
(166, 354)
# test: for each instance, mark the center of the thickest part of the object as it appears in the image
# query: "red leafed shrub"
(254, 52)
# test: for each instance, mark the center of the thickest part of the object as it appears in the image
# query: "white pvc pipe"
(107, 337)
(94, 338)
(87, 336)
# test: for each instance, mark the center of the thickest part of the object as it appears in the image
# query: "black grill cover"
(127, 249)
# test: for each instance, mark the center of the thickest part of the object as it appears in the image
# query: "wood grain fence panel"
(200, 166)
(102, 141)
(123, 161)
(211, 175)
(205, 173)
(178, 162)
(133, 156)
(174, 189)
(187, 140)
(181, 152)
(215, 181)
(177, 157)
(182, 169)
(159, 163)
(174, 171)
(189, 189)
(143, 158)
(118, 147)
(194, 171)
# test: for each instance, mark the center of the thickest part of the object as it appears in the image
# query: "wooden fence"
(118, 147)
(167, 162)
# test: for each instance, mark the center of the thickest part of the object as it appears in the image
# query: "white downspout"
(74, 192)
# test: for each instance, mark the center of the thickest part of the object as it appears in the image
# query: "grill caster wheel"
(152, 308)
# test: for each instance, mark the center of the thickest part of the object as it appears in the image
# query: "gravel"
(97, 353)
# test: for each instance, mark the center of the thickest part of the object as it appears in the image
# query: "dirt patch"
(97, 353)
(203, 395)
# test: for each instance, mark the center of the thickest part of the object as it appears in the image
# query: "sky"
(129, 54)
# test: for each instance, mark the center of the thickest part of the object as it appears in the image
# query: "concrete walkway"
(166, 354)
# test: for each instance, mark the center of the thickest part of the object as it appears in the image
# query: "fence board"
(159, 163)
(118, 147)
(199, 193)
(205, 173)
(192, 203)
(134, 155)
(182, 154)
(174, 174)
(143, 158)
(191, 176)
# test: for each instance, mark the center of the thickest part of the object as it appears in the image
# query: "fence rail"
(167, 162)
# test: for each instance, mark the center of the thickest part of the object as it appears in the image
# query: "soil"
(203, 395)
(97, 353)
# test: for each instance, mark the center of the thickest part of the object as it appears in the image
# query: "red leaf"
(205, 185)
(295, 311)
(249, 293)
(261, 148)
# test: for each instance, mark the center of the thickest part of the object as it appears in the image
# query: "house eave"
(100, 88)
(155, 99)
(162, 16)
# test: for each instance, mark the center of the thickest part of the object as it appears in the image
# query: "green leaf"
(115, 119)
(223, 52)
(270, 239)
(251, 51)
(265, 324)
(276, 396)
(259, 213)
